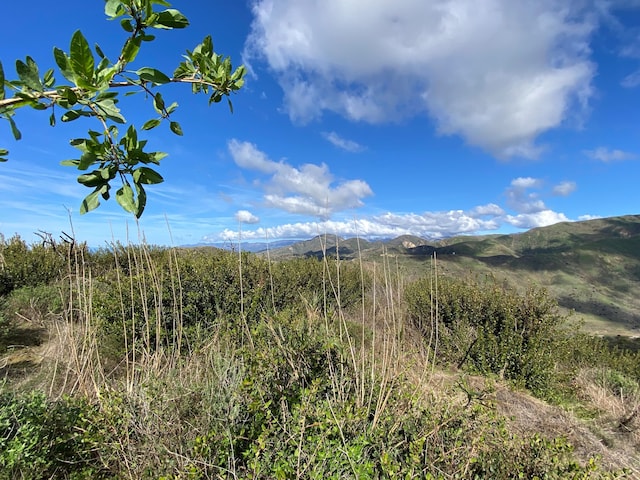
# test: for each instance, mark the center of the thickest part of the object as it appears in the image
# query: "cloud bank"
(523, 198)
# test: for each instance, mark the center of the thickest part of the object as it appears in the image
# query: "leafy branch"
(91, 90)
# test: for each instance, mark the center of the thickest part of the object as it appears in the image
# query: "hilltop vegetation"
(148, 362)
(591, 268)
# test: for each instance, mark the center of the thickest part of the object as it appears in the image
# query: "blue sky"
(358, 117)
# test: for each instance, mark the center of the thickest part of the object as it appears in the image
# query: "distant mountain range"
(592, 267)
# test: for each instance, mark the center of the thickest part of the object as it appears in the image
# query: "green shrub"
(23, 265)
(150, 294)
(490, 327)
(42, 439)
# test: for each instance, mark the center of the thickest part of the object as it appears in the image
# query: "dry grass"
(527, 415)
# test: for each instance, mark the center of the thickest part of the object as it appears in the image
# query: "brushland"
(592, 268)
(143, 362)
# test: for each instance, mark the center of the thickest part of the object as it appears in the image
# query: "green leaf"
(152, 75)
(86, 160)
(81, 59)
(3, 154)
(70, 116)
(29, 75)
(68, 97)
(2, 92)
(131, 49)
(90, 202)
(99, 51)
(48, 80)
(52, 119)
(175, 128)
(109, 172)
(158, 103)
(104, 74)
(104, 191)
(155, 157)
(109, 109)
(114, 8)
(14, 129)
(124, 196)
(62, 60)
(206, 47)
(142, 200)
(69, 163)
(171, 108)
(92, 179)
(171, 18)
(149, 124)
(125, 23)
(147, 176)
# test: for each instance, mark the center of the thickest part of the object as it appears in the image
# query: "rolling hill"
(591, 267)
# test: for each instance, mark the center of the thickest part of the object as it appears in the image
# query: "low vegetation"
(146, 362)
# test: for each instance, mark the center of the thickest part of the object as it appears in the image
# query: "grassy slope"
(591, 267)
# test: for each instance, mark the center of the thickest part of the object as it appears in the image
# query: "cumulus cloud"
(564, 188)
(528, 205)
(498, 73)
(520, 199)
(343, 143)
(308, 190)
(607, 155)
(245, 216)
(490, 209)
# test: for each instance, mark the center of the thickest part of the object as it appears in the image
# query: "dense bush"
(155, 293)
(41, 439)
(23, 265)
(490, 327)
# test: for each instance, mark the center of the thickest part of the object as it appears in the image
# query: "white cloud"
(309, 189)
(588, 217)
(606, 155)
(497, 72)
(246, 155)
(530, 212)
(564, 188)
(520, 199)
(244, 216)
(632, 80)
(489, 209)
(343, 143)
(428, 225)
(541, 218)
(525, 182)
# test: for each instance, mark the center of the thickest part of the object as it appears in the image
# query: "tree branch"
(54, 95)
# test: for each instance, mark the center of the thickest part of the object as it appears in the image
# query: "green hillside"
(591, 267)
